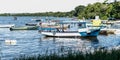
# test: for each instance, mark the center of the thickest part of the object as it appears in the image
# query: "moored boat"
(25, 28)
(37, 20)
(6, 25)
(61, 34)
(83, 30)
(31, 24)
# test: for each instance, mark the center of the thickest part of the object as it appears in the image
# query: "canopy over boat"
(72, 22)
(83, 29)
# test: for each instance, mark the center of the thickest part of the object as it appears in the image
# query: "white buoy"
(10, 42)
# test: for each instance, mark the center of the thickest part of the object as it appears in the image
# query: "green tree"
(78, 10)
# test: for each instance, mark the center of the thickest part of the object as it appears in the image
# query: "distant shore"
(104, 10)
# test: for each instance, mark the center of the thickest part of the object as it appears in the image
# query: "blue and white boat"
(83, 30)
(87, 30)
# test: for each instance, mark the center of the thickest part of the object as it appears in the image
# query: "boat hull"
(92, 33)
(31, 24)
(61, 34)
(25, 28)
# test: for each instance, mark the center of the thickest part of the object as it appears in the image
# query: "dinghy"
(6, 25)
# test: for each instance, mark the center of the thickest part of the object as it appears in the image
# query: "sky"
(33, 6)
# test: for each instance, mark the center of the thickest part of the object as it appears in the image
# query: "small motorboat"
(37, 20)
(25, 28)
(6, 25)
(31, 24)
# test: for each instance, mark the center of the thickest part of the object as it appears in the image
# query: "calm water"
(32, 42)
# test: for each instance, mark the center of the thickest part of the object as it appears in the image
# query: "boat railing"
(60, 31)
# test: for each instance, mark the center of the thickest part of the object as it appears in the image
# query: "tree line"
(104, 10)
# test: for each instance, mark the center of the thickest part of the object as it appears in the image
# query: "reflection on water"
(109, 41)
(81, 44)
(32, 42)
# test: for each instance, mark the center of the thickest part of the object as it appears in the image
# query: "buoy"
(10, 42)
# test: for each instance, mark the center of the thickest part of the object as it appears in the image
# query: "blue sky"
(32, 6)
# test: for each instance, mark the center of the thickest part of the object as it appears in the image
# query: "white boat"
(36, 20)
(83, 30)
(6, 25)
(61, 34)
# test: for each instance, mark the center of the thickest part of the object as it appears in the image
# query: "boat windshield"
(82, 25)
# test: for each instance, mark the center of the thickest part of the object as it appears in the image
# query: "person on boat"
(58, 29)
(40, 23)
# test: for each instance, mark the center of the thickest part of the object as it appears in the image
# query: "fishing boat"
(25, 28)
(31, 24)
(83, 30)
(37, 20)
(6, 25)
